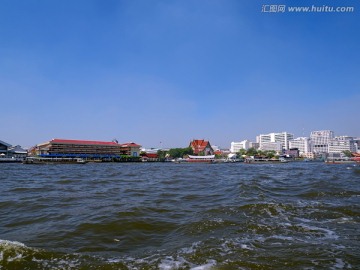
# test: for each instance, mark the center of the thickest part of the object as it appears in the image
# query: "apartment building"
(271, 141)
(342, 143)
(320, 140)
(236, 146)
(301, 143)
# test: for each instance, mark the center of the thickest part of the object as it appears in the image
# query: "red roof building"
(84, 147)
(201, 147)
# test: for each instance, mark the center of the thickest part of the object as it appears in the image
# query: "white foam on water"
(339, 264)
(243, 246)
(7, 243)
(344, 220)
(169, 263)
(233, 245)
(191, 249)
(209, 265)
(18, 248)
(328, 234)
(282, 237)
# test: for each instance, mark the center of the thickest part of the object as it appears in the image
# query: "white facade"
(342, 143)
(301, 143)
(236, 146)
(282, 138)
(357, 144)
(275, 146)
(320, 140)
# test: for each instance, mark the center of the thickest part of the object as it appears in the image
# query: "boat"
(48, 160)
(201, 159)
(180, 160)
(340, 161)
(265, 160)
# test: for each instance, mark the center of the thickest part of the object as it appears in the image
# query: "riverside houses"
(4, 148)
(85, 149)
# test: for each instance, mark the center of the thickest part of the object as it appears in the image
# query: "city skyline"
(226, 146)
(172, 71)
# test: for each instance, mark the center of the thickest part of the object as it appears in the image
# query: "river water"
(180, 216)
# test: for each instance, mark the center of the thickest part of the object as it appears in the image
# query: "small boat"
(201, 159)
(48, 160)
(180, 160)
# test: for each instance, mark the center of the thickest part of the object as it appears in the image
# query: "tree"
(161, 153)
(241, 152)
(251, 152)
(347, 153)
(270, 154)
(180, 152)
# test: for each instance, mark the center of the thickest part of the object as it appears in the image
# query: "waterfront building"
(254, 145)
(272, 146)
(301, 143)
(85, 149)
(270, 141)
(17, 152)
(292, 152)
(357, 144)
(236, 146)
(308, 155)
(130, 149)
(320, 140)
(4, 148)
(201, 147)
(342, 143)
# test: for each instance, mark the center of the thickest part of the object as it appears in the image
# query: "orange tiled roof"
(199, 145)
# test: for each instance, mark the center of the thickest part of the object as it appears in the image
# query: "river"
(298, 215)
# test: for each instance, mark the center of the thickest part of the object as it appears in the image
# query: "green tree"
(251, 152)
(347, 153)
(161, 153)
(241, 153)
(270, 153)
(180, 152)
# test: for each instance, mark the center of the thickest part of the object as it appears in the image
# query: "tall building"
(357, 144)
(320, 140)
(301, 143)
(271, 141)
(236, 146)
(342, 143)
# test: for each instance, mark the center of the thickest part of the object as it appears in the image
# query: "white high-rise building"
(320, 140)
(301, 143)
(236, 146)
(357, 144)
(342, 143)
(267, 141)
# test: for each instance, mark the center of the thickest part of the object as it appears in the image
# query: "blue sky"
(171, 71)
